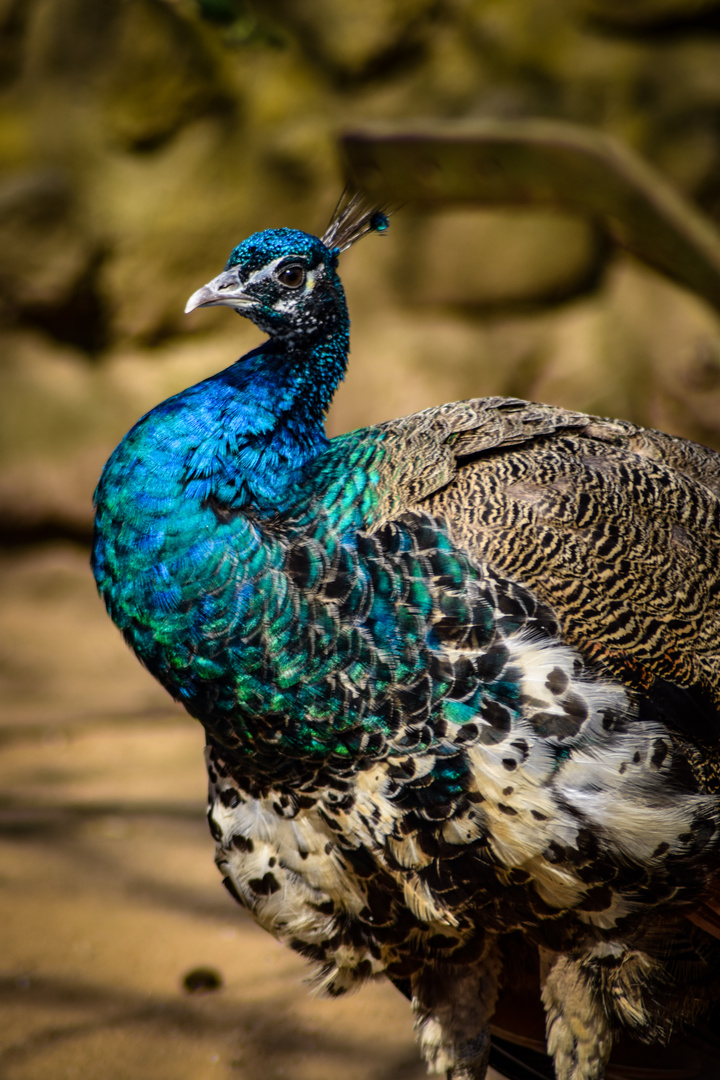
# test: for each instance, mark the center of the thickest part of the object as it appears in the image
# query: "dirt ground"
(108, 892)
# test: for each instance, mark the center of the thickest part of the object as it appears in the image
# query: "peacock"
(458, 674)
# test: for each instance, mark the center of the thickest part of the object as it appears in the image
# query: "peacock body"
(458, 673)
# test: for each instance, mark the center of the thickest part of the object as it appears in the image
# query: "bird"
(458, 674)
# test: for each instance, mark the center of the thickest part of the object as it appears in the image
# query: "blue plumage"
(442, 673)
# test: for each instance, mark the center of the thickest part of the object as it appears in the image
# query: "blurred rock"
(677, 343)
(359, 39)
(161, 76)
(13, 19)
(70, 41)
(141, 139)
(498, 257)
(48, 259)
(165, 235)
(646, 13)
(148, 68)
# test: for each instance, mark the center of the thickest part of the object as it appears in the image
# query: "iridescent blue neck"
(242, 438)
(270, 409)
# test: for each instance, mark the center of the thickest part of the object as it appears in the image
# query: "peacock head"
(285, 280)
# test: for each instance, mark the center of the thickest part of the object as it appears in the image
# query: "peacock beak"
(226, 289)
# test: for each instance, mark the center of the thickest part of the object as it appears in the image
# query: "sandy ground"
(108, 891)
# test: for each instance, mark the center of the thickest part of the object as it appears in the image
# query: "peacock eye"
(293, 276)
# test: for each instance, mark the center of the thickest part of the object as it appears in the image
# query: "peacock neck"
(263, 419)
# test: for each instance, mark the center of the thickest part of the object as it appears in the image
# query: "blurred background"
(140, 140)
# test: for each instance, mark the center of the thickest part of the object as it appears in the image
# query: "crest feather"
(353, 218)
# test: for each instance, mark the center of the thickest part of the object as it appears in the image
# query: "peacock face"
(282, 279)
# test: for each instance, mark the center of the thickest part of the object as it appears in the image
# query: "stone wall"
(141, 139)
